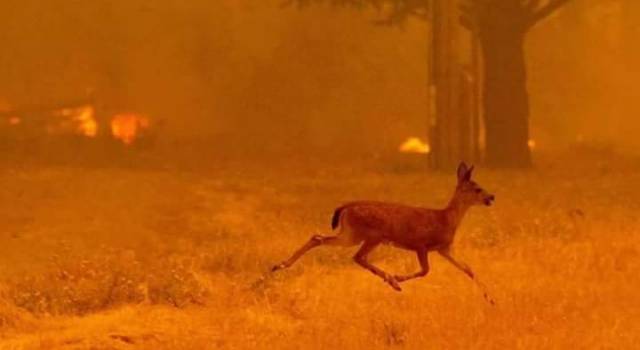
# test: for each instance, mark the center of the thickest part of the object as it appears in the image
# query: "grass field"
(119, 258)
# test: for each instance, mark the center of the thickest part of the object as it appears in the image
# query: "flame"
(415, 145)
(79, 120)
(126, 127)
(87, 125)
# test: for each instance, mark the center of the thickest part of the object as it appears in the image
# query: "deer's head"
(468, 191)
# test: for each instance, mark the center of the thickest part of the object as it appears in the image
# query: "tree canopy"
(474, 13)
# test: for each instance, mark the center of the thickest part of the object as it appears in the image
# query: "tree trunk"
(506, 100)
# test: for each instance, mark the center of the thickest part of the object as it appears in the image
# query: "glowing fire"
(532, 144)
(84, 120)
(127, 127)
(415, 145)
(87, 124)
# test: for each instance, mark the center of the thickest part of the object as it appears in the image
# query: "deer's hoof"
(489, 299)
(394, 283)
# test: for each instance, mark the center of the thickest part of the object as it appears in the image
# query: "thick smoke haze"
(256, 74)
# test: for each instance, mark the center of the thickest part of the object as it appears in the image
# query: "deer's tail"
(335, 220)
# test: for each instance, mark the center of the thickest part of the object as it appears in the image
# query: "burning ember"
(414, 145)
(84, 119)
(87, 124)
(127, 127)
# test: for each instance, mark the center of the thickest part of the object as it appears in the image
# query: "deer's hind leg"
(423, 259)
(316, 241)
(361, 259)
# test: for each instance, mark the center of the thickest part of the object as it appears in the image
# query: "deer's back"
(406, 226)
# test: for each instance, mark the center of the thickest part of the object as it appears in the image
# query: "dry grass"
(109, 258)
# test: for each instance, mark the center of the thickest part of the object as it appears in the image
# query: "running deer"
(417, 229)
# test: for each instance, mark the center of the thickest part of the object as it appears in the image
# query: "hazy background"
(255, 75)
(264, 120)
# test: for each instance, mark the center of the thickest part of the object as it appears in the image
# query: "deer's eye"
(478, 190)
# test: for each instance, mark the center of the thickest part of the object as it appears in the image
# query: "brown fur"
(421, 230)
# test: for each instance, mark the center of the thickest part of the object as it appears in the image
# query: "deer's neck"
(455, 211)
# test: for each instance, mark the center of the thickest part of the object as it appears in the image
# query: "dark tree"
(501, 27)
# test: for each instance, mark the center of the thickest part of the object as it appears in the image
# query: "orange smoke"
(15, 121)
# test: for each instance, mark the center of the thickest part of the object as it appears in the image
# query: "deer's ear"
(469, 173)
(462, 172)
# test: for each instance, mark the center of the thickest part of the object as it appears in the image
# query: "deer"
(421, 230)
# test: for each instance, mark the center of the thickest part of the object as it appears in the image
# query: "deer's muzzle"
(489, 200)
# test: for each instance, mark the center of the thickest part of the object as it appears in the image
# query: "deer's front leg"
(424, 267)
(361, 259)
(446, 253)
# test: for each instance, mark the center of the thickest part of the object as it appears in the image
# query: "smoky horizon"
(283, 79)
